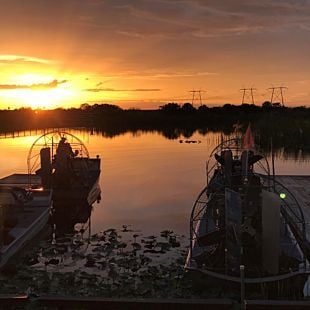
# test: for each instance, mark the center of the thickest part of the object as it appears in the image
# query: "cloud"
(146, 35)
(18, 59)
(159, 74)
(95, 90)
(39, 86)
(174, 19)
(179, 74)
(203, 18)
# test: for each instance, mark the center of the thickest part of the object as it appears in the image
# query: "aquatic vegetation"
(112, 263)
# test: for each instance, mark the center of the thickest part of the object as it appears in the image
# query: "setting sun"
(39, 98)
(37, 91)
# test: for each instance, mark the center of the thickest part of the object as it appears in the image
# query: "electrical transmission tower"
(248, 95)
(277, 94)
(196, 96)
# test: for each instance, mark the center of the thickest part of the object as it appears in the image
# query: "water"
(149, 184)
(148, 181)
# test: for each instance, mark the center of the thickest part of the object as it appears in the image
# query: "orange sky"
(143, 53)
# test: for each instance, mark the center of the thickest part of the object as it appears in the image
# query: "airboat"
(245, 226)
(63, 164)
(62, 181)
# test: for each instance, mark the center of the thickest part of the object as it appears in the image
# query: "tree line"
(289, 126)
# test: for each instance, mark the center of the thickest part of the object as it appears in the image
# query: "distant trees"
(170, 107)
(269, 105)
(173, 107)
(104, 107)
(188, 108)
(203, 108)
(172, 119)
(85, 106)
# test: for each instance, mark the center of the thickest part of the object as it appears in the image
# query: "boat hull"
(32, 219)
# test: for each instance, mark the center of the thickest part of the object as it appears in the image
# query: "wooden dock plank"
(277, 304)
(69, 302)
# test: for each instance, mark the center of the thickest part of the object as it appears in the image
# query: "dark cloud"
(93, 19)
(39, 86)
(96, 90)
(123, 31)
(203, 18)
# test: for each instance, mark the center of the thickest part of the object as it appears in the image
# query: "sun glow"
(38, 91)
(43, 99)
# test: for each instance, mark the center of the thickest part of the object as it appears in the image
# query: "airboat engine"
(45, 171)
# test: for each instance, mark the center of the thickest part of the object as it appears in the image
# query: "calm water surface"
(147, 181)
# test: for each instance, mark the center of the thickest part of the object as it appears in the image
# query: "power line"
(196, 95)
(277, 93)
(248, 94)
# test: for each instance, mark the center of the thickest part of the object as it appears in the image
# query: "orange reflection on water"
(147, 181)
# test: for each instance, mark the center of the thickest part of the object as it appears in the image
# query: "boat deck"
(21, 180)
(26, 214)
(25, 218)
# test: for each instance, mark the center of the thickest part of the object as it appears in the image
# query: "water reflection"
(148, 181)
(291, 144)
(65, 217)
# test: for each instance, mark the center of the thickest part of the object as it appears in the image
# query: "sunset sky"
(143, 53)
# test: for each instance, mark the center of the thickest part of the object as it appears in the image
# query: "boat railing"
(290, 202)
(235, 146)
(50, 140)
(197, 213)
(291, 212)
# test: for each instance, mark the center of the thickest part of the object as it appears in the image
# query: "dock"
(69, 302)
(299, 186)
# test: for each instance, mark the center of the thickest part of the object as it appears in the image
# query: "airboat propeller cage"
(43, 153)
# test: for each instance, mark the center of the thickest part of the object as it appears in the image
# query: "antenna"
(197, 97)
(277, 93)
(248, 94)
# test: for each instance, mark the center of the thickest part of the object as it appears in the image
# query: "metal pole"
(1, 227)
(252, 96)
(282, 97)
(242, 287)
(272, 162)
(193, 91)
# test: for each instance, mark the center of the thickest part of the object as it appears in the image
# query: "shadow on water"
(66, 216)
